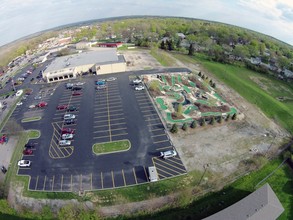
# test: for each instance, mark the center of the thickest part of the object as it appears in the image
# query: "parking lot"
(116, 113)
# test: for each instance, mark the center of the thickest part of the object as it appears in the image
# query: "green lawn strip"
(4, 121)
(237, 78)
(37, 118)
(164, 80)
(219, 97)
(170, 119)
(34, 134)
(190, 109)
(281, 182)
(111, 147)
(192, 84)
(160, 101)
(186, 89)
(179, 79)
(173, 80)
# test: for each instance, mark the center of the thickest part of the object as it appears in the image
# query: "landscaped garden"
(184, 97)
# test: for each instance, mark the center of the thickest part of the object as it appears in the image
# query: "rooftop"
(100, 56)
(261, 204)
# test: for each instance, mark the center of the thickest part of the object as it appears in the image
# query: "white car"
(32, 106)
(136, 81)
(64, 143)
(111, 79)
(19, 103)
(67, 136)
(139, 88)
(24, 163)
(79, 83)
(69, 116)
(168, 154)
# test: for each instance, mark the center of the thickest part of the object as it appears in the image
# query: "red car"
(61, 107)
(27, 152)
(42, 104)
(67, 131)
(76, 93)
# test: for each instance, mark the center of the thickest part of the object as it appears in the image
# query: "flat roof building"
(98, 61)
(261, 204)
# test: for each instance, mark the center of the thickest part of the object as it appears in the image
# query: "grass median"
(34, 134)
(111, 147)
(31, 119)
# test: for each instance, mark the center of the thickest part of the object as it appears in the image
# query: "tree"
(220, 119)
(228, 117)
(154, 85)
(193, 124)
(240, 51)
(191, 39)
(287, 155)
(179, 110)
(184, 127)
(163, 46)
(213, 120)
(214, 85)
(234, 116)
(174, 129)
(199, 74)
(203, 122)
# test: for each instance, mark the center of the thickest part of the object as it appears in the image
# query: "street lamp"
(205, 166)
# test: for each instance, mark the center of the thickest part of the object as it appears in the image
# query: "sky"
(19, 18)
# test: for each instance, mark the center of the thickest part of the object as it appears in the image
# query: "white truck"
(153, 174)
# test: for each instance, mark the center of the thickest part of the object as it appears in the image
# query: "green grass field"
(240, 79)
(111, 147)
(281, 182)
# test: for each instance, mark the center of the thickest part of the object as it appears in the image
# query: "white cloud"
(273, 17)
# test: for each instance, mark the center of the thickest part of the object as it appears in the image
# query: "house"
(255, 60)
(288, 73)
(261, 204)
(181, 36)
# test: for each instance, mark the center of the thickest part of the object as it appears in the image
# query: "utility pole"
(205, 166)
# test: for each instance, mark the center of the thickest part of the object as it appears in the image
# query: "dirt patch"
(206, 108)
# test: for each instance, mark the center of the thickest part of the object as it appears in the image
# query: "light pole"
(205, 166)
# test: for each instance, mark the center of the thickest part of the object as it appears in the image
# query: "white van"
(153, 175)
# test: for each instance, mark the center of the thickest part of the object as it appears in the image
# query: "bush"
(228, 117)
(184, 127)
(203, 122)
(213, 120)
(220, 119)
(174, 129)
(234, 116)
(193, 124)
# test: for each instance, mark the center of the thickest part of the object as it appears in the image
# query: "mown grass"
(111, 147)
(37, 118)
(162, 57)
(281, 182)
(34, 134)
(239, 79)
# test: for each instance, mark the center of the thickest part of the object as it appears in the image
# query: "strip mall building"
(98, 61)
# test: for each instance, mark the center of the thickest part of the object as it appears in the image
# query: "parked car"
(42, 104)
(38, 97)
(67, 136)
(30, 145)
(76, 88)
(101, 87)
(100, 82)
(27, 152)
(111, 79)
(61, 107)
(76, 93)
(168, 154)
(32, 106)
(69, 85)
(139, 87)
(136, 81)
(19, 103)
(69, 121)
(24, 163)
(71, 108)
(79, 83)
(67, 131)
(69, 116)
(3, 169)
(64, 143)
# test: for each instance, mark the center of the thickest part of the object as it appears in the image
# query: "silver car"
(64, 143)
(168, 154)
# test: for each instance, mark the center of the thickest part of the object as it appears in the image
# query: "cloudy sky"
(19, 18)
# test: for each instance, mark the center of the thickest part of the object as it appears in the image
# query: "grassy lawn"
(162, 57)
(34, 134)
(239, 78)
(281, 182)
(31, 119)
(111, 147)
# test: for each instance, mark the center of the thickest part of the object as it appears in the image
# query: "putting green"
(186, 89)
(190, 109)
(160, 101)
